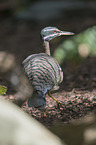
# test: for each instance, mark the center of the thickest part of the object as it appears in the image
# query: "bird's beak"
(66, 33)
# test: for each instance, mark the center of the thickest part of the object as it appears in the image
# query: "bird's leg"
(43, 111)
(55, 99)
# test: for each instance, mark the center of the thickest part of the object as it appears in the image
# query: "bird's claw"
(60, 105)
(44, 114)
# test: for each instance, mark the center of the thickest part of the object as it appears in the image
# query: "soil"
(77, 95)
(77, 92)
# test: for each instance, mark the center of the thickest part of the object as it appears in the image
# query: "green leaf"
(3, 90)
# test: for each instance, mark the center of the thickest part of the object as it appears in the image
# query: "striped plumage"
(44, 73)
(43, 70)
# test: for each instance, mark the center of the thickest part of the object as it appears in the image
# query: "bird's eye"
(54, 31)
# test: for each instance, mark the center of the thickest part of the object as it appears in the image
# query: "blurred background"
(22, 21)
(20, 24)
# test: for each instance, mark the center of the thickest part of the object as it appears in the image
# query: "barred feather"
(43, 71)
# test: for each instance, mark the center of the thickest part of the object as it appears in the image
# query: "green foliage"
(3, 90)
(78, 47)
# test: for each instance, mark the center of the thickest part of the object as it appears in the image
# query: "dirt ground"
(77, 92)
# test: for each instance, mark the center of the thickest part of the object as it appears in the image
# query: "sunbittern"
(43, 70)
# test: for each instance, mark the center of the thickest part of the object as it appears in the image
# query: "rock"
(17, 128)
(78, 132)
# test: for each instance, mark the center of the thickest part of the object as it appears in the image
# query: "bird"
(43, 71)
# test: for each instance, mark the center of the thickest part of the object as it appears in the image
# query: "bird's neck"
(46, 46)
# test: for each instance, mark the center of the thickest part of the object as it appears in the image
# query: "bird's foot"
(59, 103)
(43, 113)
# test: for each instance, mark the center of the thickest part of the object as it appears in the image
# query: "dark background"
(20, 26)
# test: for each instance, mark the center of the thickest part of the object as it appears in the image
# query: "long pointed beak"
(66, 33)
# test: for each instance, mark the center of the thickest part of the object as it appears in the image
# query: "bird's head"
(49, 33)
(37, 100)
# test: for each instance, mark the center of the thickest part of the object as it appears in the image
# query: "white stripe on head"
(51, 35)
(50, 29)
